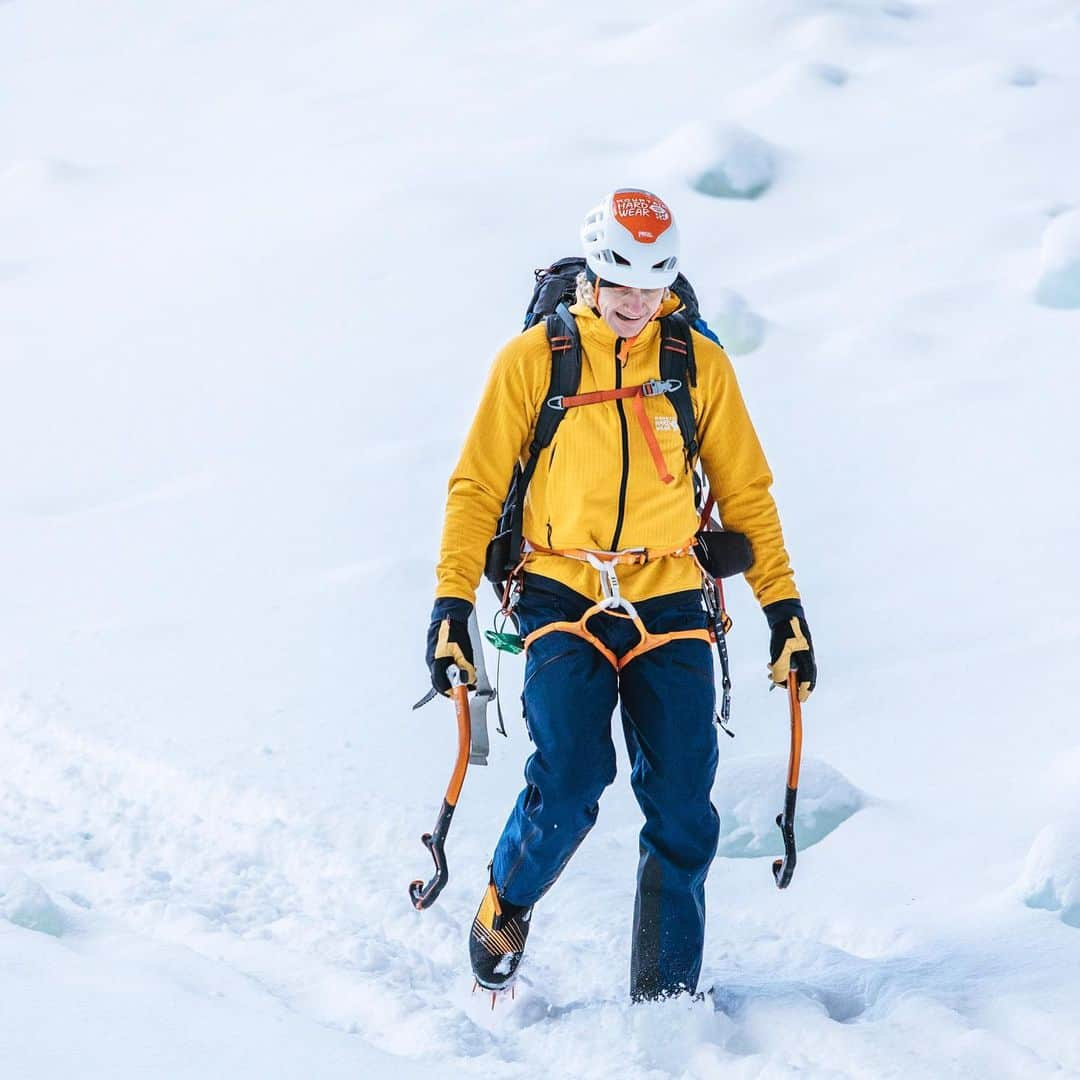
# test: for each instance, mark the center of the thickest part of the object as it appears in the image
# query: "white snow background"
(255, 258)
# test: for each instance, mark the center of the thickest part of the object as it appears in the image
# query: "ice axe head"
(783, 869)
(423, 896)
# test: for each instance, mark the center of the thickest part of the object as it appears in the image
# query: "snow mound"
(830, 74)
(749, 793)
(740, 329)
(10, 270)
(35, 173)
(1025, 76)
(899, 9)
(25, 903)
(723, 163)
(1051, 877)
(1059, 280)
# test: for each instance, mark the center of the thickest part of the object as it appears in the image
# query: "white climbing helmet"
(631, 239)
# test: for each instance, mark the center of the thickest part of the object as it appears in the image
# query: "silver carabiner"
(655, 387)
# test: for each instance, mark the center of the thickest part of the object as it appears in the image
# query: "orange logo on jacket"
(645, 216)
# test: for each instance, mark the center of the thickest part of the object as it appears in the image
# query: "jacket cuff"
(782, 610)
(451, 607)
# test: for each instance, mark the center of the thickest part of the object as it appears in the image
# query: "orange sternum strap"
(635, 393)
(647, 642)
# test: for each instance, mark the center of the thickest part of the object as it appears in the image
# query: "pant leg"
(668, 700)
(569, 696)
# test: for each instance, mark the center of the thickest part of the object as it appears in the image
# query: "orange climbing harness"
(614, 603)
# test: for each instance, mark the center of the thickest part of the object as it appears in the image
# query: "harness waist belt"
(627, 557)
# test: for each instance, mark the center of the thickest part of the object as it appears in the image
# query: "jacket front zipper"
(625, 451)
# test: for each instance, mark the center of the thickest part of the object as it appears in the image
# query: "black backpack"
(554, 290)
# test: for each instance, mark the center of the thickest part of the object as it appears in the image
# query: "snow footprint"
(842, 1004)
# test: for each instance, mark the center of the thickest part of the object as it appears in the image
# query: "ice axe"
(784, 868)
(423, 896)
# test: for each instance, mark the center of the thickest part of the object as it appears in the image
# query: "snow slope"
(232, 241)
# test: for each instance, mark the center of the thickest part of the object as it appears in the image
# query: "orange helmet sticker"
(644, 215)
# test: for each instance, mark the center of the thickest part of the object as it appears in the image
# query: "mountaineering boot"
(497, 940)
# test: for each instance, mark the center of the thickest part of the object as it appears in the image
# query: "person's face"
(627, 310)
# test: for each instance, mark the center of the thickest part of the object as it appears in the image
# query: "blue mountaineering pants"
(667, 699)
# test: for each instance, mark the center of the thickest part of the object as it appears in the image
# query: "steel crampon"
(495, 994)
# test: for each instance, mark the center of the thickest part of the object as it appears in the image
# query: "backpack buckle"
(655, 387)
(556, 403)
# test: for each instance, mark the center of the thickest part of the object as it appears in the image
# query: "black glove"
(791, 647)
(448, 643)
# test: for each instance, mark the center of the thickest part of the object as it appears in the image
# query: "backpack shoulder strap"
(565, 342)
(677, 363)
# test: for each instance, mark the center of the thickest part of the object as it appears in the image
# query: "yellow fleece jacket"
(600, 451)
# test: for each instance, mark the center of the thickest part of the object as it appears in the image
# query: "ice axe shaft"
(784, 868)
(423, 896)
